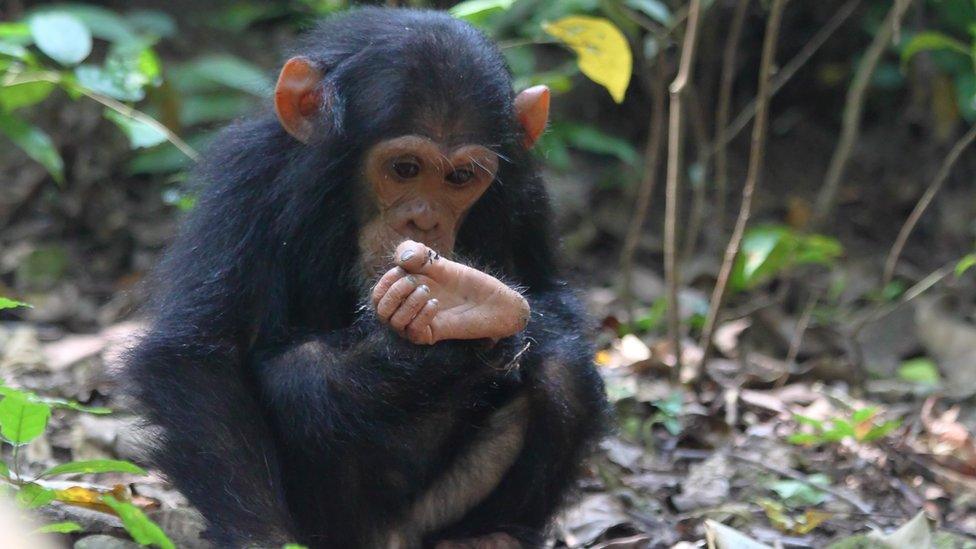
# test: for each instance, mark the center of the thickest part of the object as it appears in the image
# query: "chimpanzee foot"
(498, 540)
(427, 298)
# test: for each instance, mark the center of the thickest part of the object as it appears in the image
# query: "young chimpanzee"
(359, 338)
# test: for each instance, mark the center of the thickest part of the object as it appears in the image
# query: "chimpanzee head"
(425, 105)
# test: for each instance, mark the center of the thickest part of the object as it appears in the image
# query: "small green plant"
(863, 425)
(770, 250)
(24, 417)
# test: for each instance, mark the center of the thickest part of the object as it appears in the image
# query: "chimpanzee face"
(422, 191)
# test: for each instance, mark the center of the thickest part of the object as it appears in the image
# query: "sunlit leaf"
(61, 37)
(142, 530)
(21, 419)
(104, 82)
(65, 527)
(603, 52)
(79, 495)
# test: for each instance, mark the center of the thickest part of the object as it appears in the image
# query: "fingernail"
(406, 255)
(433, 302)
(412, 279)
(424, 288)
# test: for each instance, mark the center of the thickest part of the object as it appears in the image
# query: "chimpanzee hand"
(427, 299)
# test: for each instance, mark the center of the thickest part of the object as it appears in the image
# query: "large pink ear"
(297, 97)
(532, 110)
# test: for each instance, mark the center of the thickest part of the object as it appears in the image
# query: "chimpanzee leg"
(567, 414)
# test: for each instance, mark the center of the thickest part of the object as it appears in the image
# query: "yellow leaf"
(603, 53)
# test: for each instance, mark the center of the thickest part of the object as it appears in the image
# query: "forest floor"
(821, 415)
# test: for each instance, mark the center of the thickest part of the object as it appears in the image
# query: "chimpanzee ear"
(532, 110)
(298, 97)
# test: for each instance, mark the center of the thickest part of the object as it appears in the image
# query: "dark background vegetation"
(836, 394)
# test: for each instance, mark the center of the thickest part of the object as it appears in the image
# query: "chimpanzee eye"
(406, 168)
(460, 177)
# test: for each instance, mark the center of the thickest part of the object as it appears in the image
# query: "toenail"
(406, 255)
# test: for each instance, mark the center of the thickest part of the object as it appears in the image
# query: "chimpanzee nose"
(423, 219)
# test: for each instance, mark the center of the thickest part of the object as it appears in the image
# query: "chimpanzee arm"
(209, 435)
(323, 389)
(568, 413)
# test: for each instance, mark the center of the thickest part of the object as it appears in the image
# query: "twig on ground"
(797, 339)
(853, 107)
(916, 290)
(934, 187)
(756, 155)
(675, 126)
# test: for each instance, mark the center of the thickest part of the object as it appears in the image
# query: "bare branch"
(854, 106)
(756, 155)
(652, 157)
(934, 187)
(675, 125)
(724, 106)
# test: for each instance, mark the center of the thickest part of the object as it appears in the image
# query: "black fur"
(282, 409)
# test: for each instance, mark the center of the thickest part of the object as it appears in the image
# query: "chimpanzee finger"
(411, 255)
(419, 330)
(383, 284)
(410, 307)
(391, 301)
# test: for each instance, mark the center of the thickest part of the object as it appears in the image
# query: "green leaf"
(34, 142)
(152, 22)
(920, 370)
(16, 33)
(804, 439)
(94, 466)
(223, 71)
(930, 41)
(965, 264)
(7, 303)
(21, 419)
(881, 430)
(4, 470)
(590, 139)
(765, 252)
(65, 527)
(477, 11)
(61, 37)
(654, 9)
(795, 493)
(142, 530)
(32, 496)
(140, 134)
(864, 414)
(293, 546)
(17, 96)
